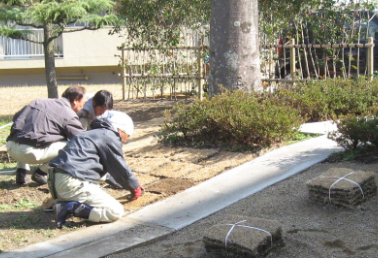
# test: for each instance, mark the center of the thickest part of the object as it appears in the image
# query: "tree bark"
(50, 71)
(234, 46)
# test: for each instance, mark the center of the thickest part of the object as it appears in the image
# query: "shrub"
(262, 119)
(354, 131)
(331, 98)
(231, 119)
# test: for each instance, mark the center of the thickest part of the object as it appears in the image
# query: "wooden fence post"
(200, 71)
(123, 74)
(292, 60)
(370, 58)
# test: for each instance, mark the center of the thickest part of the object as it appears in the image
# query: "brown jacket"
(44, 121)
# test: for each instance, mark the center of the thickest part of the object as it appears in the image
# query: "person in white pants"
(41, 129)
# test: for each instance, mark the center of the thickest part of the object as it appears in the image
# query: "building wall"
(66, 76)
(89, 57)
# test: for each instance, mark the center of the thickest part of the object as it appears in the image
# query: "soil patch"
(170, 186)
(162, 170)
(144, 110)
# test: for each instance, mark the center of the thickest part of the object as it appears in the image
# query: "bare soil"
(309, 229)
(162, 170)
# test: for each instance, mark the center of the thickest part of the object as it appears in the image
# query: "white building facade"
(83, 57)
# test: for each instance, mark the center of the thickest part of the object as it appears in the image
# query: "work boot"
(136, 193)
(21, 176)
(39, 176)
(63, 210)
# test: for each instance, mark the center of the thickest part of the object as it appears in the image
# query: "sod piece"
(342, 187)
(238, 236)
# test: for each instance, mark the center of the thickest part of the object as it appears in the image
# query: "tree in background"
(159, 23)
(53, 17)
(234, 46)
(163, 25)
(307, 21)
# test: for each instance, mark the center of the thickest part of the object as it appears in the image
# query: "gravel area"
(309, 229)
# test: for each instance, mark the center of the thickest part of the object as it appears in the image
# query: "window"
(22, 49)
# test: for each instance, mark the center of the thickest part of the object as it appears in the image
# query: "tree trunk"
(50, 71)
(234, 46)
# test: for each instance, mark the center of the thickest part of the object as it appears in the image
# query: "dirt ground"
(309, 229)
(162, 170)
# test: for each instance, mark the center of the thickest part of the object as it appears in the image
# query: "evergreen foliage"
(92, 15)
(320, 100)
(236, 119)
(159, 23)
(232, 119)
(356, 132)
(53, 16)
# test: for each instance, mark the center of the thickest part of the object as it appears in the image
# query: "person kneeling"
(75, 173)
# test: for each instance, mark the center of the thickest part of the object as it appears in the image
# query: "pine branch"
(33, 41)
(81, 29)
(17, 34)
(30, 25)
(17, 3)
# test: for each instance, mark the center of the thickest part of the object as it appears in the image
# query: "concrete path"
(167, 216)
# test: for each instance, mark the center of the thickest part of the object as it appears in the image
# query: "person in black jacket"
(41, 129)
(76, 171)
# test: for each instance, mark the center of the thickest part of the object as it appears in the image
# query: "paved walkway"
(167, 216)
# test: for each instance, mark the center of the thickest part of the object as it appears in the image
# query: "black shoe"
(63, 210)
(21, 176)
(39, 176)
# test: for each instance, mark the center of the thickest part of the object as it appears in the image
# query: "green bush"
(231, 119)
(331, 98)
(262, 119)
(354, 131)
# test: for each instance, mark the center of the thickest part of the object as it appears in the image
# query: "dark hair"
(74, 93)
(103, 98)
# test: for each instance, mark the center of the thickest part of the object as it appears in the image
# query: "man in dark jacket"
(76, 171)
(41, 129)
